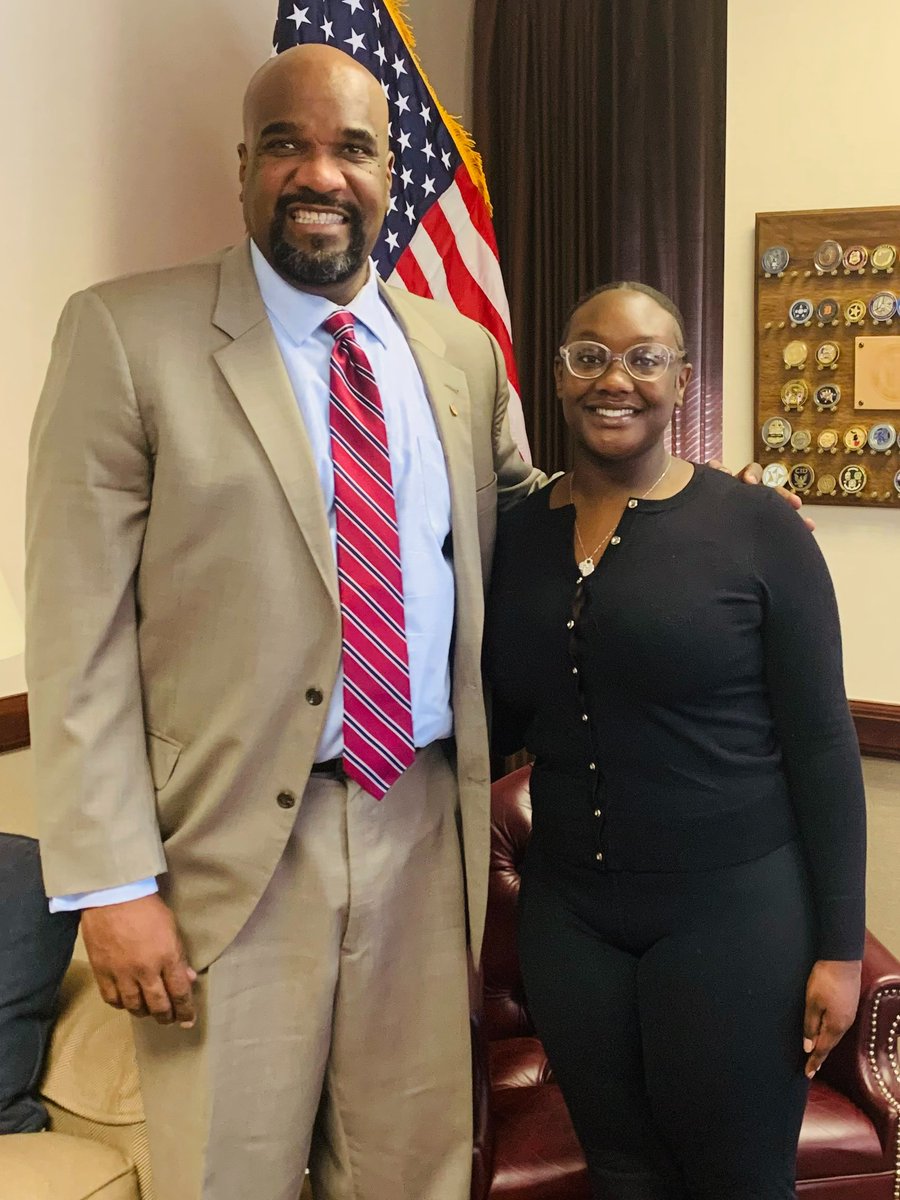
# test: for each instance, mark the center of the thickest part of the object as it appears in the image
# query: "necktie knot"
(340, 326)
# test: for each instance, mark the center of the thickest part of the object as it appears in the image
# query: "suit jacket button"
(314, 696)
(286, 800)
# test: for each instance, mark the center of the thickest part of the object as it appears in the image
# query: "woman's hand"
(832, 996)
(752, 473)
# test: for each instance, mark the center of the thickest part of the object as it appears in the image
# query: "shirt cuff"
(104, 896)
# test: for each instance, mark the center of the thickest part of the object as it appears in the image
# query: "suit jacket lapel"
(255, 372)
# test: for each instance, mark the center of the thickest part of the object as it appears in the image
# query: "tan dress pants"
(334, 1030)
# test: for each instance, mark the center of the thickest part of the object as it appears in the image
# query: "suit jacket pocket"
(162, 753)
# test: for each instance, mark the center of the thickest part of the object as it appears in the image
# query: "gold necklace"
(587, 566)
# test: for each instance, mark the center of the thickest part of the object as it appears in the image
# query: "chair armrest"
(91, 1069)
(864, 1064)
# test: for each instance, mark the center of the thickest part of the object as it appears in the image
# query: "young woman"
(665, 641)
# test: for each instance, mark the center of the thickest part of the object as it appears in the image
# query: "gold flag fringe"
(461, 138)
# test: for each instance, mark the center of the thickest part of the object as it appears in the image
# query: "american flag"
(437, 240)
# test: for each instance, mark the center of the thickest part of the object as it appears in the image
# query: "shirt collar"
(299, 314)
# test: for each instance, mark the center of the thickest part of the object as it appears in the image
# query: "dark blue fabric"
(35, 950)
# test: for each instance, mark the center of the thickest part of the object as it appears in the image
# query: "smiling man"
(262, 499)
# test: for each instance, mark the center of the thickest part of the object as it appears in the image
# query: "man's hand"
(832, 996)
(139, 961)
(753, 473)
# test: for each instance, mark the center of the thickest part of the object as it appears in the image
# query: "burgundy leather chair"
(525, 1146)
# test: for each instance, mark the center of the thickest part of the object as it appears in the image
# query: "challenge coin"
(776, 432)
(855, 437)
(775, 475)
(882, 436)
(775, 260)
(855, 258)
(828, 310)
(897, 482)
(827, 440)
(884, 256)
(800, 311)
(802, 477)
(882, 306)
(826, 485)
(794, 354)
(852, 479)
(827, 396)
(794, 394)
(801, 439)
(855, 312)
(828, 256)
(827, 354)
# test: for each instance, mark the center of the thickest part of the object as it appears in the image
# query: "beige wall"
(120, 123)
(788, 64)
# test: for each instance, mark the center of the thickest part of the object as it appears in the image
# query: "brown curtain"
(602, 126)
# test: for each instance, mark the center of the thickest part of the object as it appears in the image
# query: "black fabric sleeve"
(804, 670)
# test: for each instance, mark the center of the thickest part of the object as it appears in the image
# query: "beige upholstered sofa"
(96, 1144)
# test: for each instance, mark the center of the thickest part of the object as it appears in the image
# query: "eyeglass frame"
(673, 356)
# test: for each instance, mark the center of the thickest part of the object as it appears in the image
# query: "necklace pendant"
(586, 567)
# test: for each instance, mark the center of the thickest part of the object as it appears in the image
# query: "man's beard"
(319, 265)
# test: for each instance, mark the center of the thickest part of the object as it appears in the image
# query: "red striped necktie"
(378, 729)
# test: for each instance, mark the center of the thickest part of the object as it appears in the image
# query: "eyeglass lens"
(646, 360)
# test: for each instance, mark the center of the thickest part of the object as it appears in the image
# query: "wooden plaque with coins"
(827, 370)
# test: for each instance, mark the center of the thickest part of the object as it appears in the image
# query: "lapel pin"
(454, 411)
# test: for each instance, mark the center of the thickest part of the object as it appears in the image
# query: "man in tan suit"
(304, 942)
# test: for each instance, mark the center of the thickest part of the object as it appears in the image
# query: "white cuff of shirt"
(104, 896)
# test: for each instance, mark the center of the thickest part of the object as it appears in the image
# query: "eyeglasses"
(645, 362)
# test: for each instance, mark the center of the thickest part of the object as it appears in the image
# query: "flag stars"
(445, 158)
(376, 13)
(426, 114)
(353, 5)
(403, 140)
(355, 41)
(384, 88)
(299, 17)
(402, 103)
(392, 204)
(328, 29)
(428, 186)
(406, 176)
(392, 240)
(410, 213)
(427, 151)
(399, 65)
(380, 54)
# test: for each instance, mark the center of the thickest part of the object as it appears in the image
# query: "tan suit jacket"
(183, 617)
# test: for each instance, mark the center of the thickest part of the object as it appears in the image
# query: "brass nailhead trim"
(883, 1085)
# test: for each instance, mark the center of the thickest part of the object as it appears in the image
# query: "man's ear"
(242, 169)
(558, 368)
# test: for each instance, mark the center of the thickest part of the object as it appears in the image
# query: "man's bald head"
(311, 65)
(315, 167)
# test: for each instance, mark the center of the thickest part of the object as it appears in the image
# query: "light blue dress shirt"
(421, 492)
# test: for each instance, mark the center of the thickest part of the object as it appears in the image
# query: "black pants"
(671, 1009)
